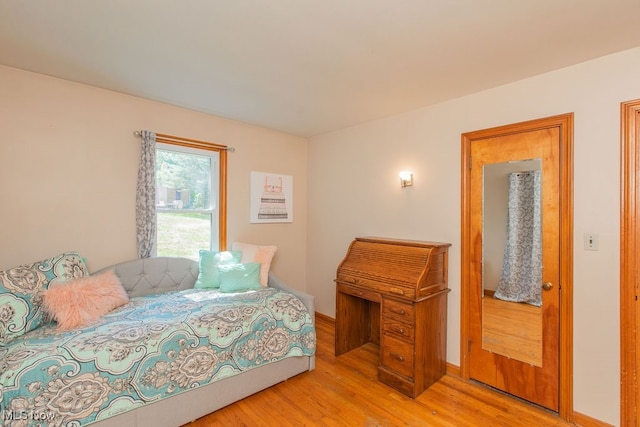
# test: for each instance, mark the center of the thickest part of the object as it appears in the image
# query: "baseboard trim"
(326, 318)
(453, 370)
(583, 420)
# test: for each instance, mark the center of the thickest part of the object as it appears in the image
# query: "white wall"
(354, 190)
(68, 167)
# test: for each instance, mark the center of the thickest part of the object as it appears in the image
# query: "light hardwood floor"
(344, 391)
(512, 329)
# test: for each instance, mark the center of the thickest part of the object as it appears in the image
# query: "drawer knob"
(397, 357)
(396, 291)
(398, 311)
(401, 330)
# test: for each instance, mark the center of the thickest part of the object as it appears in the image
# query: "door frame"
(565, 362)
(629, 263)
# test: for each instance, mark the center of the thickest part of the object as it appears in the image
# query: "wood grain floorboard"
(512, 329)
(344, 391)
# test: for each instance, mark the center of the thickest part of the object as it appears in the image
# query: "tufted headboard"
(163, 274)
(156, 275)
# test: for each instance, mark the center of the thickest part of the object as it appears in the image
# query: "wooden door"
(538, 384)
(630, 263)
(531, 371)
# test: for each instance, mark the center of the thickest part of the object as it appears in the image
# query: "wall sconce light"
(406, 179)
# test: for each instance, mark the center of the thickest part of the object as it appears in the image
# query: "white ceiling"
(308, 66)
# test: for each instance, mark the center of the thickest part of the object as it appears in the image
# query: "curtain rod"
(164, 137)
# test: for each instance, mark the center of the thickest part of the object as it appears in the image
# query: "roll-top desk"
(394, 293)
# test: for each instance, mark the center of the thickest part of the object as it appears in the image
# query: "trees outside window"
(187, 200)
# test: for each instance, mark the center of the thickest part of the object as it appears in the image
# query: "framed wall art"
(271, 197)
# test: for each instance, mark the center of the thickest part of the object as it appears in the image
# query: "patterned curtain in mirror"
(521, 279)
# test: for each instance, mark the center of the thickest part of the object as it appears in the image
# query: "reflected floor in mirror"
(512, 329)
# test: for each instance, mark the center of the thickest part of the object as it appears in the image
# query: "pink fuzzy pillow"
(81, 302)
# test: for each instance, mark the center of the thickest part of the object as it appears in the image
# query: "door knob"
(547, 286)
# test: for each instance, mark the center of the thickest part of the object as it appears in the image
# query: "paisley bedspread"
(154, 347)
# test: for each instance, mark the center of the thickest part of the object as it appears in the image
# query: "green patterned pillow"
(209, 261)
(21, 291)
(239, 277)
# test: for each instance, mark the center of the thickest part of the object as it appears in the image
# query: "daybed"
(170, 355)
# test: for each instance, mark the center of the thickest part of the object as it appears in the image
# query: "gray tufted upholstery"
(156, 275)
(163, 274)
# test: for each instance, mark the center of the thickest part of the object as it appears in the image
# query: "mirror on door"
(512, 260)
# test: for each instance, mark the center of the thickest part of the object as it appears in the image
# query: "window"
(190, 198)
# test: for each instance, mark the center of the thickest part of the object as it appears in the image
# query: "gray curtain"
(521, 279)
(146, 196)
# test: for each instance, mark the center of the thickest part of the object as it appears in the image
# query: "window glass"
(187, 191)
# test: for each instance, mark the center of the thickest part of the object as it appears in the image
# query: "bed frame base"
(193, 404)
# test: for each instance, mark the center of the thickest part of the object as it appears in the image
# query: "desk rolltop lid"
(407, 268)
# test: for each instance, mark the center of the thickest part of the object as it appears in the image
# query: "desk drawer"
(359, 292)
(392, 309)
(404, 331)
(401, 291)
(397, 355)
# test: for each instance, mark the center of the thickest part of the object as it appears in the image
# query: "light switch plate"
(591, 242)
